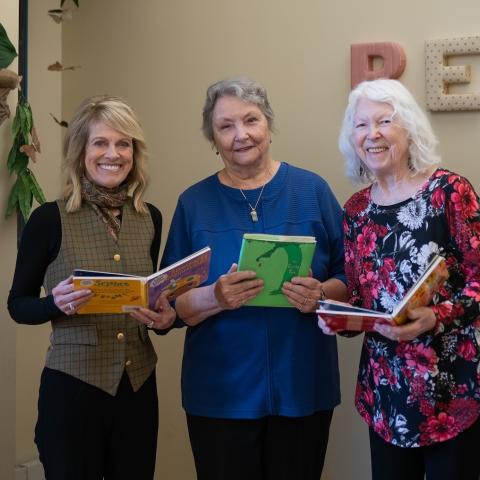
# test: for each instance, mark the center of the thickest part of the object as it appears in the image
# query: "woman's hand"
(304, 293)
(162, 317)
(69, 300)
(422, 320)
(234, 289)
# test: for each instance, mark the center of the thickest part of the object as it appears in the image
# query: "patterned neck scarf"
(104, 201)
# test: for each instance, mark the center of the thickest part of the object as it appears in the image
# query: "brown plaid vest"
(98, 348)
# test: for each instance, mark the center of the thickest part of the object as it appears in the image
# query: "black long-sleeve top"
(39, 246)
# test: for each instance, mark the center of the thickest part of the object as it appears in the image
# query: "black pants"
(268, 448)
(83, 433)
(455, 459)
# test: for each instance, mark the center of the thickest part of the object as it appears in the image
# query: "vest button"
(120, 336)
(128, 363)
(117, 257)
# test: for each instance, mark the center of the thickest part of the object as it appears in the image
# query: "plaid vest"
(98, 348)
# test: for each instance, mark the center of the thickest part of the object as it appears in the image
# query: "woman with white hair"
(418, 386)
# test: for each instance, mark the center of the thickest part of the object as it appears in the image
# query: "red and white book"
(343, 316)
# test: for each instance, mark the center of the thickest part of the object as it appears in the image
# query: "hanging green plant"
(25, 146)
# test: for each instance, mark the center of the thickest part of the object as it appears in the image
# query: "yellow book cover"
(112, 294)
(118, 293)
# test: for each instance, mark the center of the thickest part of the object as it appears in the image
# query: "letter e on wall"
(439, 75)
(364, 54)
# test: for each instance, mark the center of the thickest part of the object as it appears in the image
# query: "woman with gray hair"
(259, 384)
(97, 406)
(418, 387)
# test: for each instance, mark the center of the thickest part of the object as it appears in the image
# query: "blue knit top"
(258, 361)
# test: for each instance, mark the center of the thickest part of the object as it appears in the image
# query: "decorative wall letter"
(439, 74)
(362, 55)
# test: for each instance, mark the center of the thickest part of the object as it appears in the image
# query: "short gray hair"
(243, 88)
(421, 139)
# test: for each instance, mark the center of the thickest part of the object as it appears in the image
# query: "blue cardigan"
(257, 361)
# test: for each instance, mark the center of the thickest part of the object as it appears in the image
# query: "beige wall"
(162, 55)
(9, 19)
(44, 90)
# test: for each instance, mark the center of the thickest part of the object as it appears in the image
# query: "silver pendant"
(254, 216)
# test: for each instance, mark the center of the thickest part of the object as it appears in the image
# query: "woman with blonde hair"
(97, 407)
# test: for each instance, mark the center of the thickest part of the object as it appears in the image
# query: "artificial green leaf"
(23, 122)
(12, 156)
(35, 187)
(24, 197)
(12, 200)
(21, 162)
(17, 160)
(26, 121)
(17, 122)
(7, 50)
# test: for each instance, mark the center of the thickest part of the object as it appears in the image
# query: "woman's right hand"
(67, 299)
(233, 289)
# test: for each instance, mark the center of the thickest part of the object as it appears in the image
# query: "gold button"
(117, 257)
(128, 363)
(120, 336)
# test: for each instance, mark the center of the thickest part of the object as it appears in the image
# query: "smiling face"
(240, 133)
(108, 156)
(380, 142)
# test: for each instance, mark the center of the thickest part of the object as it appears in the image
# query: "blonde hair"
(421, 139)
(117, 114)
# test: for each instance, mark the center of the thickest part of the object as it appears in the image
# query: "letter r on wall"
(362, 61)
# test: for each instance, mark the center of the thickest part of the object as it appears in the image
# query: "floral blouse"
(426, 390)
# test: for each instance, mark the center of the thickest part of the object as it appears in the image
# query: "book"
(343, 316)
(120, 293)
(276, 259)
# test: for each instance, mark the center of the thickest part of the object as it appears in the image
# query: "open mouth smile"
(111, 167)
(377, 149)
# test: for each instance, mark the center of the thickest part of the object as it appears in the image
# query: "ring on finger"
(150, 324)
(70, 307)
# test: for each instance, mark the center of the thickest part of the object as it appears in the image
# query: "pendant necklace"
(253, 210)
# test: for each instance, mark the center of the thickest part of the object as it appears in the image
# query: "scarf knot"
(104, 201)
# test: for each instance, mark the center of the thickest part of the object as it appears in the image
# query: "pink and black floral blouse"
(427, 390)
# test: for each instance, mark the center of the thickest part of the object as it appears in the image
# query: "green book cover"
(275, 259)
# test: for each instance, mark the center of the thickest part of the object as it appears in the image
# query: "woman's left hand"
(421, 320)
(162, 317)
(303, 293)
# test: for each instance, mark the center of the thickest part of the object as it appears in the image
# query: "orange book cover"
(117, 293)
